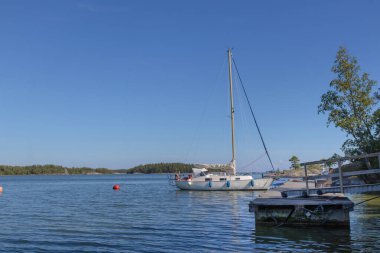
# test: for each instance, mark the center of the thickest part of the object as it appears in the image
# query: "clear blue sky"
(121, 83)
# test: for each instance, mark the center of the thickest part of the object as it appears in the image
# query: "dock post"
(340, 176)
(307, 181)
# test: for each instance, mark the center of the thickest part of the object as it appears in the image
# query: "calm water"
(84, 214)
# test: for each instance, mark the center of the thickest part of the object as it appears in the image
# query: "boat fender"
(209, 184)
(228, 184)
(252, 183)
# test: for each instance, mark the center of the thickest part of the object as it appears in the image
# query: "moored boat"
(227, 180)
(202, 180)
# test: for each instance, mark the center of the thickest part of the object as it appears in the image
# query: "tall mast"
(233, 162)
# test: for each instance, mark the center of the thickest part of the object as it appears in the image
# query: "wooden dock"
(313, 211)
(303, 204)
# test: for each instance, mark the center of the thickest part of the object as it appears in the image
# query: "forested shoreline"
(161, 168)
(51, 169)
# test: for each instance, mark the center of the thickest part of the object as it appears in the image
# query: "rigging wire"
(253, 162)
(239, 110)
(193, 151)
(366, 200)
(253, 115)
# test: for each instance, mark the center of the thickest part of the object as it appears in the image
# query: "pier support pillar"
(307, 181)
(340, 176)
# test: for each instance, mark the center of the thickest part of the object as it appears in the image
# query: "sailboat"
(203, 180)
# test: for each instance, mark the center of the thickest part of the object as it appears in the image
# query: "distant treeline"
(52, 169)
(161, 168)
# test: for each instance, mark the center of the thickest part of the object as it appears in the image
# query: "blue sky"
(120, 83)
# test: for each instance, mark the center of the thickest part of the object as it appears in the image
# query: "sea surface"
(83, 214)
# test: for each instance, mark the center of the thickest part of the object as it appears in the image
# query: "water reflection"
(362, 236)
(365, 223)
(287, 239)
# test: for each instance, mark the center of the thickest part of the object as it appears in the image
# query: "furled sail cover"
(218, 167)
(197, 172)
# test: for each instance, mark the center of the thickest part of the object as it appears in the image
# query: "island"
(50, 169)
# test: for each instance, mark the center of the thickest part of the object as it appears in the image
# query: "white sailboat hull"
(231, 185)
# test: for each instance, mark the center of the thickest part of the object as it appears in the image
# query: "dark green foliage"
(102, 170)
(59, 170)
(31, 170)
(351, 105)
(161, 168)
(333, 157)
(50, 169)
(295, 162)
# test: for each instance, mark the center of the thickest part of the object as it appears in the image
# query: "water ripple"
(84, 214)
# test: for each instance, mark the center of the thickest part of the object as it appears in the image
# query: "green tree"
(161, 168)
(350, 105)
(330, 163)
(295, 162)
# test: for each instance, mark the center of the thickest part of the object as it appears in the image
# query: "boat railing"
(179, 176)
(172, 178)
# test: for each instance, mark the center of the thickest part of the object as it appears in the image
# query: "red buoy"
(116, 187)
